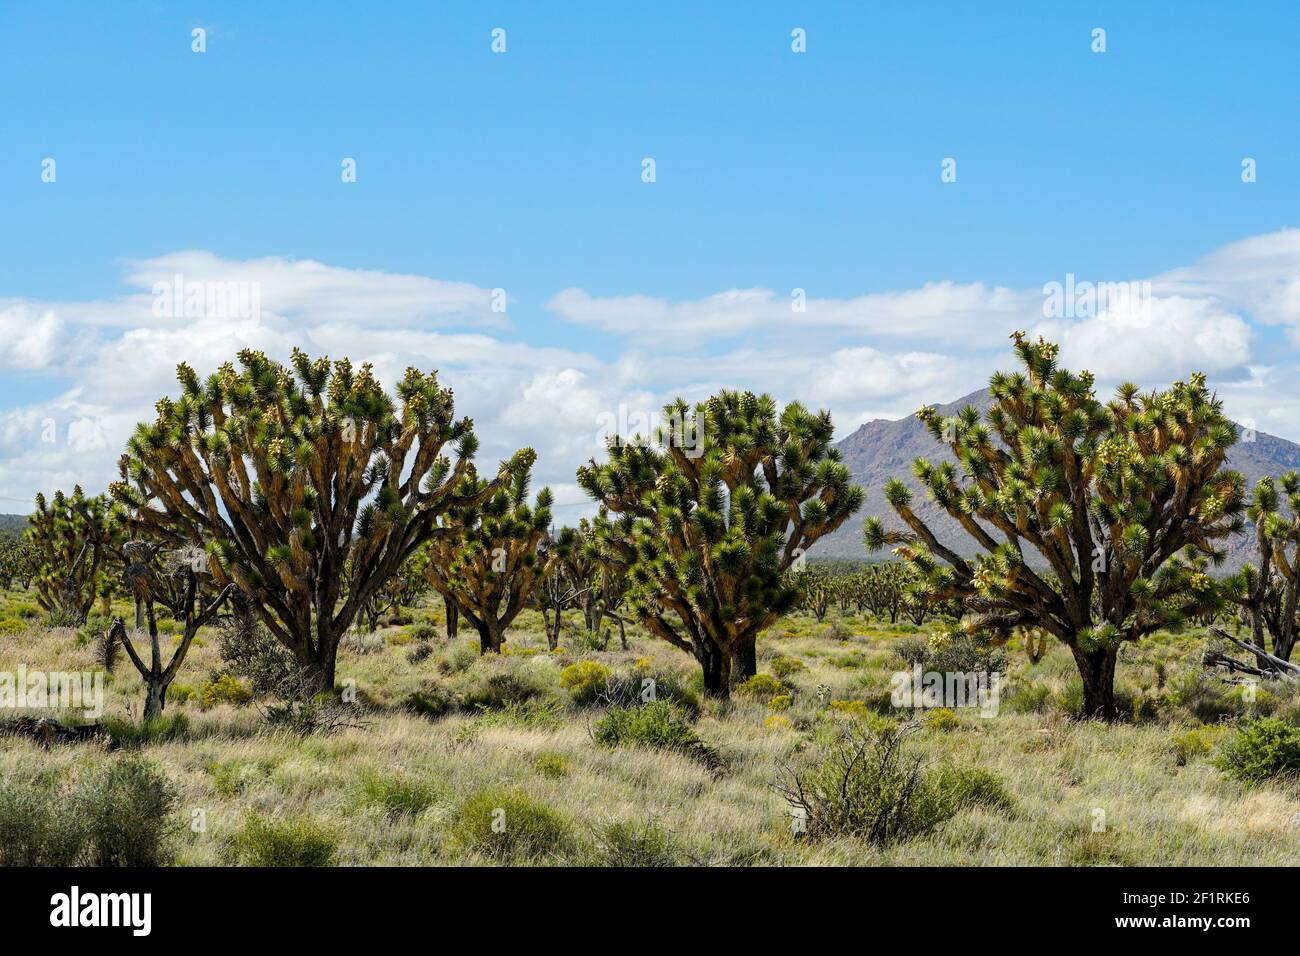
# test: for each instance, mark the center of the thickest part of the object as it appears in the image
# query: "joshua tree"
(18, 563)
(308, 486)
(1105, 494)
(73, 538)
(707, 528)
(486, 557)
(1269, 590)
(403, 589)
(560, 588)
(177, 581)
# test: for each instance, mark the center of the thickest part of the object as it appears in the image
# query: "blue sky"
(775, 170)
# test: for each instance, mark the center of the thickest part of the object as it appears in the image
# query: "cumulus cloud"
(876, 355)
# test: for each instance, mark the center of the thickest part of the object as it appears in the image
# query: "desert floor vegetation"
(561, 747)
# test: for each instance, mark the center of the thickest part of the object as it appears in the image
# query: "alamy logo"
(134, 910)
(62, 690)
(917, 688)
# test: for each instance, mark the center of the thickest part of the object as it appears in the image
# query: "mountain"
(12, 525)
(881, 449)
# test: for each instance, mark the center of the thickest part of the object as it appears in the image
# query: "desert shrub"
(658, 725)
(942, 719)
(460, 657)
(1202, 696)
(585, 681)
(307, 716)
(431, 700)
(910, 651)
(499, 687)
(964, 652)
(1262, 749)
(780, 702)
(783, 666)
(421, 652)
(181, 693)
(962, 786)
(62, 617)
(864, 784)
(298, 841)
(777, 722)
(539, 713)
(509, 824)
(1195, 742)
(127, 808)
(10, 625)
(396, 796)
(423, 631)
(635, 844)
(761, 687)
(551, 764)
(1069, 699)
(249, 651)
(628, 690)
(28, 612)
(225, 689)
(160, 729)
(39, 826)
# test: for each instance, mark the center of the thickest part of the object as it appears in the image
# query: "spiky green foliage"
(19, 563)
(1269, 590)
(486, 556)
(72, 537)
(1106, 494)
(307, 485)
(707, 528)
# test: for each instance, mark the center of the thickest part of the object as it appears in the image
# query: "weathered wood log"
(1278, 666)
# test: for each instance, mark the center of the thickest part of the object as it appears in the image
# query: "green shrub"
(1069, 699)
(942, 719)
(960, 787)
(298, 841)
(127, 810)
(160, 729)
(783, 666)
(761, 687)
(780, 702)
(431, 700)
(658, 725)
(1262, 749)
(635, 844)
(493, 690)
(551, 764)
(28, 612)
(1196, 742)
(39, 826)
(395, 795)
(509, 824)
(226, 689)
(585, 681)
(423, 632)
(181, 694)
(1203, 697)
(9, 625)
(864, 784)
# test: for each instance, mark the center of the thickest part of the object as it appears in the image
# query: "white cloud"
(875, 355)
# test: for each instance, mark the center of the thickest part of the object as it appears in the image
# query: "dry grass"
(390, 792)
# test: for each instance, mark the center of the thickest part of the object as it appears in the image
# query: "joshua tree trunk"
(716, 663)
(745, 664)
(453, 617)
(1097, 668)
(553, 629)
(490, 636)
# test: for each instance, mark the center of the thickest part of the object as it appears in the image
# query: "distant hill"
(11, 525)
(881, 449)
